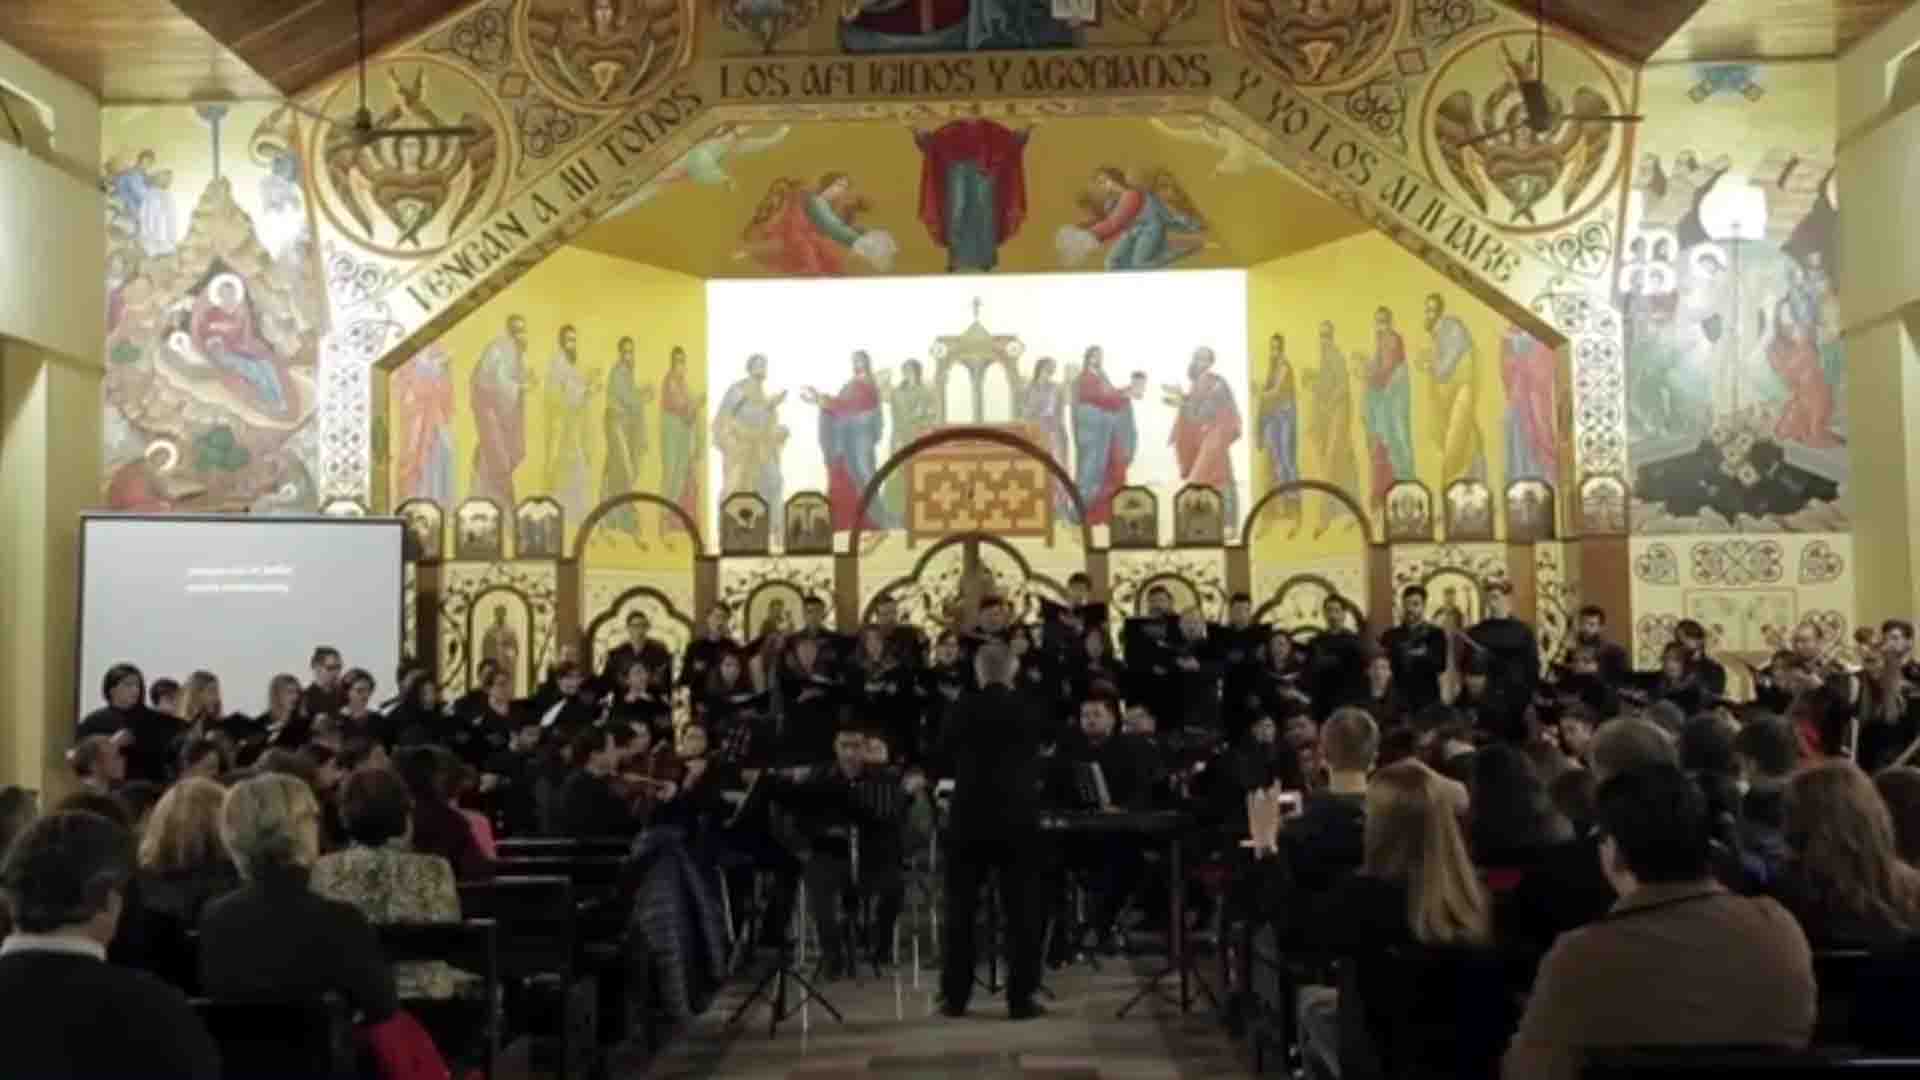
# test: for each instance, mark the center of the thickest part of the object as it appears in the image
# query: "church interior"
(644, 306)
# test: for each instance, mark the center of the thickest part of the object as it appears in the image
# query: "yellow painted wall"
(1345, 282)
(604, 299)
(50, 255)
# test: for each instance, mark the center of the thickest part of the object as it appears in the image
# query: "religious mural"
(215, 311)
(1391, 377)
(914, 364)
(1736, 381)
(966, 195)
(556, 391)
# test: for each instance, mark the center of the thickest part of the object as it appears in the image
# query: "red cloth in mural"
(860, 398)
(1807, 415)
(790, 243)
(1092, 390)
(993, 149)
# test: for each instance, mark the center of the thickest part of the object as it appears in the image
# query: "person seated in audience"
(274, 938)
(1844, 880)
(99, 762)
(1325, 842)
(286, 723)
(1514, 825)
(1567, 888)
(183, 863)
(325, 695)
(1899, 787)
(1573, 793)
(1574, 730)
(1678, 961)
(18, 809)
(139, 797)
(590, 805)
(466, 787)
(386, 881)
(360, 751)
(438, 828)
(203, 757)
(148, 733)
(1261, 760)
(835, 809)
(1415, 885)
(69, 1012)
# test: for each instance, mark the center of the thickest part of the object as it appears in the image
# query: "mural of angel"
(808, 232)
(603, 52)
(1148, 224)
(1237, 156)
(415, 182)
(1496, 148)
(912, 411)
(141, 198)
(1043, 404)
(705, 163)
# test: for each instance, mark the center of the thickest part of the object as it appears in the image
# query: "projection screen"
(243, 597)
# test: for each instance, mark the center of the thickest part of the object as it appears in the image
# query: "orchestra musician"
(573, 711)
(590, 805)
(1707, 672)
(1611, 661)
(836, 808)
(732, 710)
(994, 827)
(1112, 864)
(883, 685)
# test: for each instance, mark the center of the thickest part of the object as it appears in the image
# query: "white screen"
(246, 599)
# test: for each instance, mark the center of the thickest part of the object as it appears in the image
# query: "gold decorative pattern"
(1315, 42)
(602, 55)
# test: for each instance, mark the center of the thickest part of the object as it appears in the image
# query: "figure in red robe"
(850, 424)
(1806, 417)
(973, 189)
(1104, 436)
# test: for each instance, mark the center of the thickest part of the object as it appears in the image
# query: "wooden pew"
(536, 942)
(514, 847)
(466, 1028)
(1737, 1063)
(281, 1040)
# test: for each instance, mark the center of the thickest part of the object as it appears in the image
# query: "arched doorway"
(595, 597)
(946, 585)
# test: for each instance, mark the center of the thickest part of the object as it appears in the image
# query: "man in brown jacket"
(1678, 960)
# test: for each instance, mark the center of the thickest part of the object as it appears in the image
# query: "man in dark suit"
(638, 647)
(995, 825)
(69, 1012)
(1417, 650)
(1611, 658)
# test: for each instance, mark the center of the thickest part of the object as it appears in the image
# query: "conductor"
(995, 825)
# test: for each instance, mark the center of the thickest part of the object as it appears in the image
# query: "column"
(49, 474)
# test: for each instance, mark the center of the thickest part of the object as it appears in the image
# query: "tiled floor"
(893, 1033)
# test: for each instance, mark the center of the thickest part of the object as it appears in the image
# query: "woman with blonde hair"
(1843, 878)
(274, 937)
(183, 862)
(1416, 886)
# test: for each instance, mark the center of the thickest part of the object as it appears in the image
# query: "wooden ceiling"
(295, 44)
(180, 50)
(1776, 29)
(129, 50)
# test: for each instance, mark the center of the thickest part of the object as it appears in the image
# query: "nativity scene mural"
(215, 311)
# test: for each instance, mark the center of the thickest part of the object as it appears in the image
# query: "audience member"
(438, 828)
(385, 880)
(183, 863)
(1678, 960)
(1844, 880)
(70, 1014)
(1898, 786)
(274, 938)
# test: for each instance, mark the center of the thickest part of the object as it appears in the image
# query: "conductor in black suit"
(995, 825)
